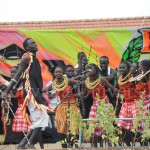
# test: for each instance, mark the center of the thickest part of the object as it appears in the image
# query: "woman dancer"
(144, 90)
(95, 84)
(19, 123)
(129, 108)
(63, 87)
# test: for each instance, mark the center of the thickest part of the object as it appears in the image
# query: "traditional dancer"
(143, 89)
(37, 104)
(96, 84)
(63, 87)
(19, 123)
(129, 107)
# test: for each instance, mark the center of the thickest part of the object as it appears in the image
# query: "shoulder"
(26, 57)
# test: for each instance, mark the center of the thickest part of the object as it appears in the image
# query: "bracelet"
(14, 80)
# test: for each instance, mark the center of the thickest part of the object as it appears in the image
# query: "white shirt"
(54, 101)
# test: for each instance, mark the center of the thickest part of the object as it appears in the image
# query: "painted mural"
(62, 46)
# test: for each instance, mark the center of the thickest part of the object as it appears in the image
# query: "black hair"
(95, 67)
(145, 63)
(67, 66)
(130, 61)
(25, 44)
(136, 63)
(127, 64)
(56, 68)
(105, 57)
(80, 53)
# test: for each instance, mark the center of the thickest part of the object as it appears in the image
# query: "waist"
(66, 103)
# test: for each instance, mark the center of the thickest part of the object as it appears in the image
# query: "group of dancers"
(76, 88)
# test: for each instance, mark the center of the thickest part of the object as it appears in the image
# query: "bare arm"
(108, 85)
(22, 66)
(82, 94)
(73, 82)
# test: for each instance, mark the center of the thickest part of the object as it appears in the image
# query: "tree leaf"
(139, 45)
(134, 53)
(126, 55)
(131, 45)
(138, 40)
(135, 59)
(133, 50)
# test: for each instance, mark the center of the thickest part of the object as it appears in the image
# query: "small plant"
(105, 119)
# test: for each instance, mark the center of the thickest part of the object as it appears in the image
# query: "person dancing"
(129, 107)
(144, 90)
(63, 87)
(37, 104)
(95, 84)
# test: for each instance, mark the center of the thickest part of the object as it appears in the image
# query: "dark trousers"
(54, 131)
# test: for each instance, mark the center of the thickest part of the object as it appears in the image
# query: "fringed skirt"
(128, 110)
(61, 117)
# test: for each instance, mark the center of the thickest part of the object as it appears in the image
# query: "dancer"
(95, 84)
(19, 123)
(62, 86)
(37, 104)
(129, 107)
(143, 89)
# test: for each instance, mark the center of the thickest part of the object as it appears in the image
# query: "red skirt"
(19, 123)
(128, 110)
(93, 113)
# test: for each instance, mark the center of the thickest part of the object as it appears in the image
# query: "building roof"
(80, 24)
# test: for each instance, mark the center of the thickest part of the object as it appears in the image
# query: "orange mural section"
(102, 47)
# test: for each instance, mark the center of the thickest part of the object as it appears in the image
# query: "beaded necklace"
(62, 86)
(92, 85)
(124, 80)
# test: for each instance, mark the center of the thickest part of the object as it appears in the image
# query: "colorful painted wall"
(118, 44)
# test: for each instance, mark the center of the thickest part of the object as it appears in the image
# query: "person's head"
(81, 55)
(104, 62)
(124, 68)
(92, 70)
(30, 45)
(58, 72)
(134, 68)
(144, 66)
(129, 62)
(70, 71)
(13, 71)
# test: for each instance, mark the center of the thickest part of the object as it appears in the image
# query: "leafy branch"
(133, 50)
